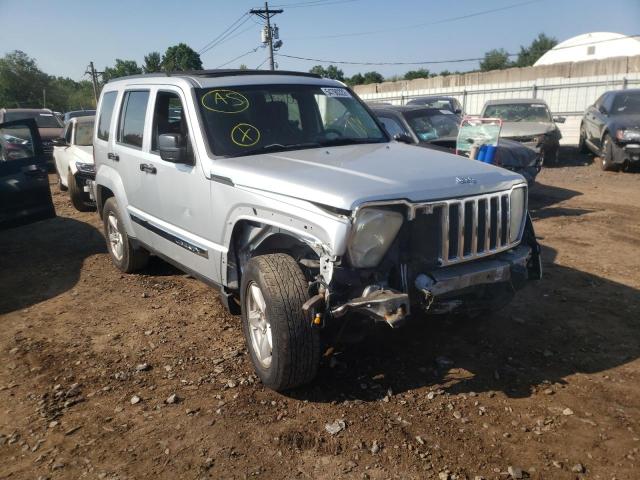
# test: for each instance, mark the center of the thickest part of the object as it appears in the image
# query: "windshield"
(433, 125)
(84, 134)
(626, 103)
(435, 103)
(43, 119)
(250, 119)
(519, 112)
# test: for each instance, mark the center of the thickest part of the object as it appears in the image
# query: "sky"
(64, 35)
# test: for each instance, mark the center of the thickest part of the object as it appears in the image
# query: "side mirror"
(403, 137)
(458, 111)
(602, 110)
(59, 142)
(559, 119)
(172, 147)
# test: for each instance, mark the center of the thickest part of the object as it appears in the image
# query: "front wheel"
(284, 348)
(606, 156)
(123, 253)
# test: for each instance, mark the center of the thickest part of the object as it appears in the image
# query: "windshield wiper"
(280, 147)
(350, 141)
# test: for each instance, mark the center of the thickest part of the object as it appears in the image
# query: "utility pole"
(91, 71)
(266, 14)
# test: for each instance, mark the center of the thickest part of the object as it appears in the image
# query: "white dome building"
(592, 46)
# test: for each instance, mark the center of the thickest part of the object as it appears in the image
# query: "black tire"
(582, 141)
(606, 155)
(295, 349)
(79, 198)
(131, 258)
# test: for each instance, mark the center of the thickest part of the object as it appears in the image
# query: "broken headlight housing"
(372, 234)
(628, 135)
(518, 212)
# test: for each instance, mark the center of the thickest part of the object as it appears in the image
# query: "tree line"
(496, 59)
(24, 85)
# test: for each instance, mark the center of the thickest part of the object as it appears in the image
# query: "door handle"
(113, 156)
(145, 167)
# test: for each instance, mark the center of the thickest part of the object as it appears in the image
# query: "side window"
(106, 112)
(168, 117)
(132, 115)
(68, 129)
(392, 125)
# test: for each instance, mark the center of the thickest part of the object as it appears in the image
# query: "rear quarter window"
(106, 112)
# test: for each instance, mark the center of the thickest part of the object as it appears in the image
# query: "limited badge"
(225, 101)
(245, 135)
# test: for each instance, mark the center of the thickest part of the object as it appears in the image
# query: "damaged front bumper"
(436, 291)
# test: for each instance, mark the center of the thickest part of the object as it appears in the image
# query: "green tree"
(243, 67)
(372, 77)
(122, 68)
(331, 71)
(539, 46)
(496, 59)
(356, 79)
(181, 57)
(21, 81)
(420, 73)
(152, 62)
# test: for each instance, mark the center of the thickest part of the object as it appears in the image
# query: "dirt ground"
(549, 385)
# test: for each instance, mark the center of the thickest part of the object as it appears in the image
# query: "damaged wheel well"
(252, 238)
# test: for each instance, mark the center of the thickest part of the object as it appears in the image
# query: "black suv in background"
(49, 126)
(440, 102)
(610, 128)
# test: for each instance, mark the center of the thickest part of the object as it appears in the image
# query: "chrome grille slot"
(474, 227)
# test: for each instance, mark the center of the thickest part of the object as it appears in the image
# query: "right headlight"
(518, 209)
(373, 232)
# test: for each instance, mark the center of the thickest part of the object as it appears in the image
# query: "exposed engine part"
(382, 305)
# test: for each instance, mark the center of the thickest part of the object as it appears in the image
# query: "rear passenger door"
(24, 183)
(128, 154)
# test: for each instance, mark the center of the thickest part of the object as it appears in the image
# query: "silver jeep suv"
(283, 191)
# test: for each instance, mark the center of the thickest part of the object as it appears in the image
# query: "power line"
(425, 24)
(262, 63)
(240, 56)
(433, 62)
(314, 3)
(209, 44)
(229, 37)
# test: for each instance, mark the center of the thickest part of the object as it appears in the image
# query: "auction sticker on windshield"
(225, 101)
(336, 92)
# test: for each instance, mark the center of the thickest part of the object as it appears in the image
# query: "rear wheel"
(284, 348)
(79, 198)
(606, 155)
(123, 253)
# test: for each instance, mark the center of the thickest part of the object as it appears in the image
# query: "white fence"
(566, 96)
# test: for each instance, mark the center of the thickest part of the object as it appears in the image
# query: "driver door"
(25, 196)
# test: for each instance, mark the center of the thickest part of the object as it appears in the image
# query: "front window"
(626, 103)
(43, 119)
(519, 112)
(259, 118)
(84, 134)
(433, 125)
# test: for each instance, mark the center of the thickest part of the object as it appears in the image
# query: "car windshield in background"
(443, 103)
(266, 118)
(84, 134)
(433, 125)
(519, 112)
(626, 103)
(43, 120)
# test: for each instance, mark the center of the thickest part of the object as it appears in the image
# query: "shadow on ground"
(56, 250)
(554, 328)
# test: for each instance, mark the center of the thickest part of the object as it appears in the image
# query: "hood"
(526, 129)
(345, 176)
(83, 154)
(631, 121)
(50, 133)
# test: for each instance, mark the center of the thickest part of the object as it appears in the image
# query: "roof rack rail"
(218, 73)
